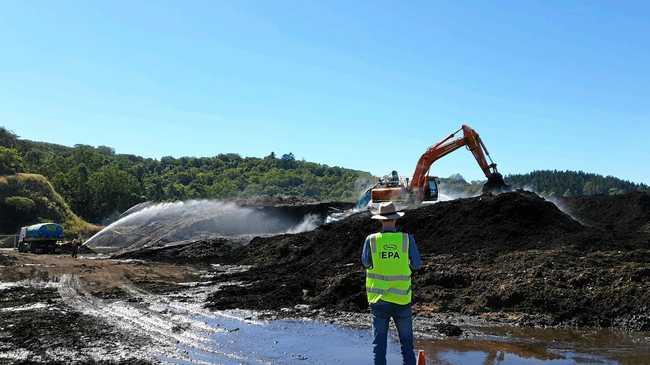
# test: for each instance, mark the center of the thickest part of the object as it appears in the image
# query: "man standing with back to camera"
(389, 256)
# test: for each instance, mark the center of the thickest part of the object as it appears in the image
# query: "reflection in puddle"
(486, 352)
(280, 342)
(530, 346)
(241, 340)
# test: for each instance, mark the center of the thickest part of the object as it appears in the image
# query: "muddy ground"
(512, 259)
(514, 256)
(54, 309)
(40, 321)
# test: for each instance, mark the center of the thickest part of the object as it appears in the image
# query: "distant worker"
(394, 178)
(75, 247)
(389, 256)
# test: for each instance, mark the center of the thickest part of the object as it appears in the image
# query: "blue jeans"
(382, 312)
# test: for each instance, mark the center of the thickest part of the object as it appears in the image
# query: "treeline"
(549, 183)
(96, 182)
(573, 183)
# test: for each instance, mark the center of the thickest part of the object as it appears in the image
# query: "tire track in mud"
(176, 330)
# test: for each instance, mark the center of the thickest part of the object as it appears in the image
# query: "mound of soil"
(625, 212)
(220, 250)
(514, 252)
(463, 243)
(511, 253)
(503, 222)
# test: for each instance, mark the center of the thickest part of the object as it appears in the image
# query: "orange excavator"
(424, 187)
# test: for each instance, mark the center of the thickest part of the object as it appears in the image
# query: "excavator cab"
(431, 190)
(389, 188)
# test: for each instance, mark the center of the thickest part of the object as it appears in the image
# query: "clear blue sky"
(367, 85)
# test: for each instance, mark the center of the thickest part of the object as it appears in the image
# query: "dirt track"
(98, 276)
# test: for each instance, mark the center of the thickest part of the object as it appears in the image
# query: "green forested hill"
(573, 183)
(96, 182)
(551, 183)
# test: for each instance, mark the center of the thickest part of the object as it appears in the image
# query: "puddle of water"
(529, 346)
(6, 285)
(15, 355)
(285, 342)
(28, 307)
(486, 352)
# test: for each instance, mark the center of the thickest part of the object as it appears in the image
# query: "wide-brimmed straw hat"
(386, 211)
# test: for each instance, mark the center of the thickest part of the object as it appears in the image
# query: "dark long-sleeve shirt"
(415, 260)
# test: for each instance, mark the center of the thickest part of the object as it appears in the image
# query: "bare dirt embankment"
(514, 256)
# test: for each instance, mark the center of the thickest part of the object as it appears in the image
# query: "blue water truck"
(39, 238)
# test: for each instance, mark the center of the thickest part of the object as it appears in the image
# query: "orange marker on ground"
(422, 360)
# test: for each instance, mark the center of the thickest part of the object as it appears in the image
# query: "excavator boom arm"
(470, 139)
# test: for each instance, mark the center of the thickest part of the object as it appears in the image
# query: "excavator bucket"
(496, 184)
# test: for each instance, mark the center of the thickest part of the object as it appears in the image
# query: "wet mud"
(47, 301)
(36, 326)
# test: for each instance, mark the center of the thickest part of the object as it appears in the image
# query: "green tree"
(154, 189)
(20, 203)
(33, 158)
(20, 208)
(112, 190)
(7, 138)
(288, 161)
(10, 161)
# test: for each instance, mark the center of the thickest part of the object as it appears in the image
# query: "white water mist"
(163, 223)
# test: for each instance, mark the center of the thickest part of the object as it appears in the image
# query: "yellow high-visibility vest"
(389, 278)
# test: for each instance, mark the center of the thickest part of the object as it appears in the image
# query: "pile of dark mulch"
(624, 213)
(220, 250)
(504, 222)
(322, 267)
(514, 252)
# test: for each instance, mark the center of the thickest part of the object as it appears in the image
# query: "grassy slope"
(48, 205)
